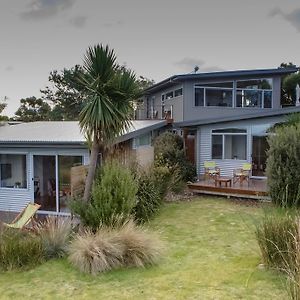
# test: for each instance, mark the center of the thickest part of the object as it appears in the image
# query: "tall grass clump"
(283, 166)
(278, 236)
(113, 197)
(111, 248)
(55, 234)
(19, 249)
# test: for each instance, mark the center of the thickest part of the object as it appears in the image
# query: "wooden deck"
(257, 189)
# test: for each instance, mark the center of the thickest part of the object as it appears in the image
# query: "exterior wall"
(145, 155)
(14, 200)
(176, 103)
(192, 112)
(228, 165)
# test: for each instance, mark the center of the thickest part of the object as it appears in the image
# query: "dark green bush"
(283, 166)
(148, 197)
(169, 151)
(112, 200)
(19, 249)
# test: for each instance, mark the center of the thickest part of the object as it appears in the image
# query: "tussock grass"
(55, 233)
(112, 248)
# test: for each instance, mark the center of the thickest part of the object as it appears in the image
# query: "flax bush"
(113, 197)
(283, 166)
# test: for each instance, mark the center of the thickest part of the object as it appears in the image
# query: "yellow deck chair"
(211, 170)
(243, 174)
(24, 217)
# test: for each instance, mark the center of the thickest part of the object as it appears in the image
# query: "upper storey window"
(241, 93)
(214, 94)
(254, 93)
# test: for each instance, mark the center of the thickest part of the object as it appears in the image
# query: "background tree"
(3, 105)
(33, 109)
(108, 107)
(65, 93)
(288, 86)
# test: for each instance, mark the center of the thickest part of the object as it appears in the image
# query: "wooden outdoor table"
(226, 180)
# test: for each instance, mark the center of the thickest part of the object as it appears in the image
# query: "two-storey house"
(223, 116)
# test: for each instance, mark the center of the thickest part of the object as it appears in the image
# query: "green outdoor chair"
(24, 217)
(211, 170)
(242, 174)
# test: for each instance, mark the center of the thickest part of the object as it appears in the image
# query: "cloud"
(293, 18)
(78, 21)
(9, 68)
(112, 24)
(44, 9)
(188, 64)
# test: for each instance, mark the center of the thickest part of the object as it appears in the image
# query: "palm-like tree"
(106, 115)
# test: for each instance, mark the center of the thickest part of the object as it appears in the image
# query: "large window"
(214, 94)
(229, 143)
(254, 93)
(248, 93)
(143, 140)
(13, 171)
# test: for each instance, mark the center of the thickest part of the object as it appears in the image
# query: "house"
(223, 116)
(36, 160)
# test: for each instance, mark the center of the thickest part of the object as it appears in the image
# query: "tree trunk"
(92, 170)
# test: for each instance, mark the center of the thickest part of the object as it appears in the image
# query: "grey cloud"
(78, 21)
(112, 24)
(43, 9)
(9, 68)
(293, 18)
(188, 64)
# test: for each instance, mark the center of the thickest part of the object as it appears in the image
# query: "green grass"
(211, 254)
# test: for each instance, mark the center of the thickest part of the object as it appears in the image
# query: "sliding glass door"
(259, 155)
(52, 181)
(44, 170)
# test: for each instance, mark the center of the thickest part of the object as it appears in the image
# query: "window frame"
(27, 164)
(223, 134)
(234, 90)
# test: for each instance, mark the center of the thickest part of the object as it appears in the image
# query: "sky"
(156, 39)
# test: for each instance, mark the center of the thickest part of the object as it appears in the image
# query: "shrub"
(113, 197)
(169, 151)
(55, 235)
(111, 248)
(148, 197)
(283, 166)
(19, 249)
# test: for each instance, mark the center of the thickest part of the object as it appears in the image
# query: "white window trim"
(223, 134)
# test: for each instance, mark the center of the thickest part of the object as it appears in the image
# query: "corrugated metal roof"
(64, 132)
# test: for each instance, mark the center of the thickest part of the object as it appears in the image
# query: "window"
(249, 93)
(217, 146)
(143, 140)
(229, 143)
(178, 93)
(13, 171)
(199, 97)
(169, 95)
(254, 93)
(214, 94)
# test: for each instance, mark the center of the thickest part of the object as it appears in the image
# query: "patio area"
(257, 189)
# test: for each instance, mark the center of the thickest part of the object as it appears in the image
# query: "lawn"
(211, 253)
